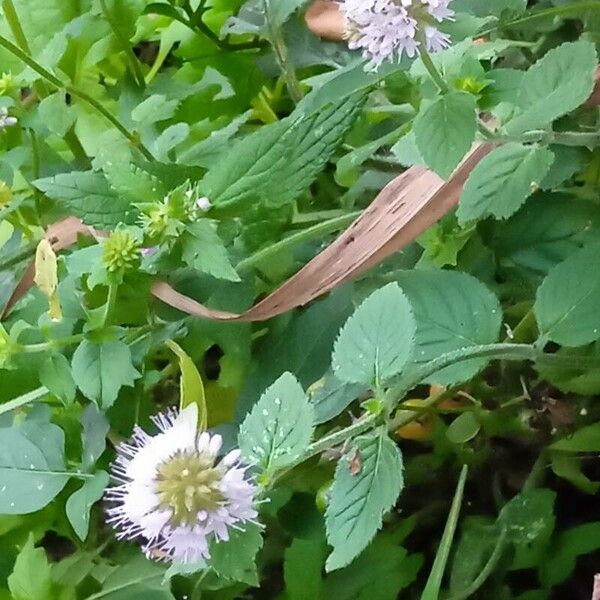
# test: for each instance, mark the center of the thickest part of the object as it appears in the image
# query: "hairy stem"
(23, 400)
(57, 83)
(431, 68)
(281, 55)
(309, 233)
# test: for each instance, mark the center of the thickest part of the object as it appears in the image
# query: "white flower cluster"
(176, 493)
(5, 119)
(385, 29)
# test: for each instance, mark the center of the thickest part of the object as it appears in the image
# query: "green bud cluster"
(121, 252)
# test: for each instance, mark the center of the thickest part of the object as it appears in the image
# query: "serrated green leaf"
(32, 466)
(87, 195)
(528, 515)
(503, 180)
(101, 369)
(154, 109)
(359, 500)
(80, 503)
(557, 84)
(191, 387)
(278, 162)
(566, 304)
(132, 183)
(445, 130)
(203, 249)
(31, 578)
(452, 311)
(279, 427)
(377, 340)
(236, 559)
(546, 231)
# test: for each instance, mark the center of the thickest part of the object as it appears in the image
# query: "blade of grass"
(434, 583)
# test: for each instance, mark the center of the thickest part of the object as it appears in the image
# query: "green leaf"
(560, 559)
(463, 429)
(546, 231)
(359, 500)
(445, 130)
(153, 109)
(93, 437)
(302, 568)
(452, 311)
(32, 466)
(434, 582)
(31, 578)
(567, 162)
(528, 515)
(101, 369)
(236, 558)
(132, 183)
(555, 85)
(377, 340)
(279, 428)
(191, 387)
(330, 396)
(55, 374)
(281, 10)
(138, 579)
(87, 195)
(586, 439)
(80, 503)
(381, 572)
(55, 113)
(204, 250)
(566, 304)
(503, 180)
(279, 161)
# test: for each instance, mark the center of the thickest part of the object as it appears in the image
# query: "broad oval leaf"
(453, 311)
(80, 503)
(279, 427)
(503, 180)
(360, 499)
(555, 85)
(377, 340)
(445, 130)
(566, 304)
(31, 467)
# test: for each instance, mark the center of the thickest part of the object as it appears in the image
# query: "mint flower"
(386, 29)
(176, 493)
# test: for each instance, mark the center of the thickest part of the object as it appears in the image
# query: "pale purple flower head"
(175, 493)
(386, 29)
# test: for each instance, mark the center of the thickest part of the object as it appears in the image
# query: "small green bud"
(5, 194)
(6, 83)
(6, 348)
(122, 252)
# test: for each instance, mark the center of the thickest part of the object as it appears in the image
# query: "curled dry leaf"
(405, 208)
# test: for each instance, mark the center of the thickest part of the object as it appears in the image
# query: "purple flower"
(175, 493)
(386, 29)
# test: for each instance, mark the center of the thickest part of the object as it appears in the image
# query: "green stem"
(297, 238)
(434, 582)
(134, 64)
(431, 68)
(486, 571)
(557, 11)
(365, 423)
(111, 300)
(50, 345)
(281, 55)
(23, 400)
(52, 79)
(562, 138)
